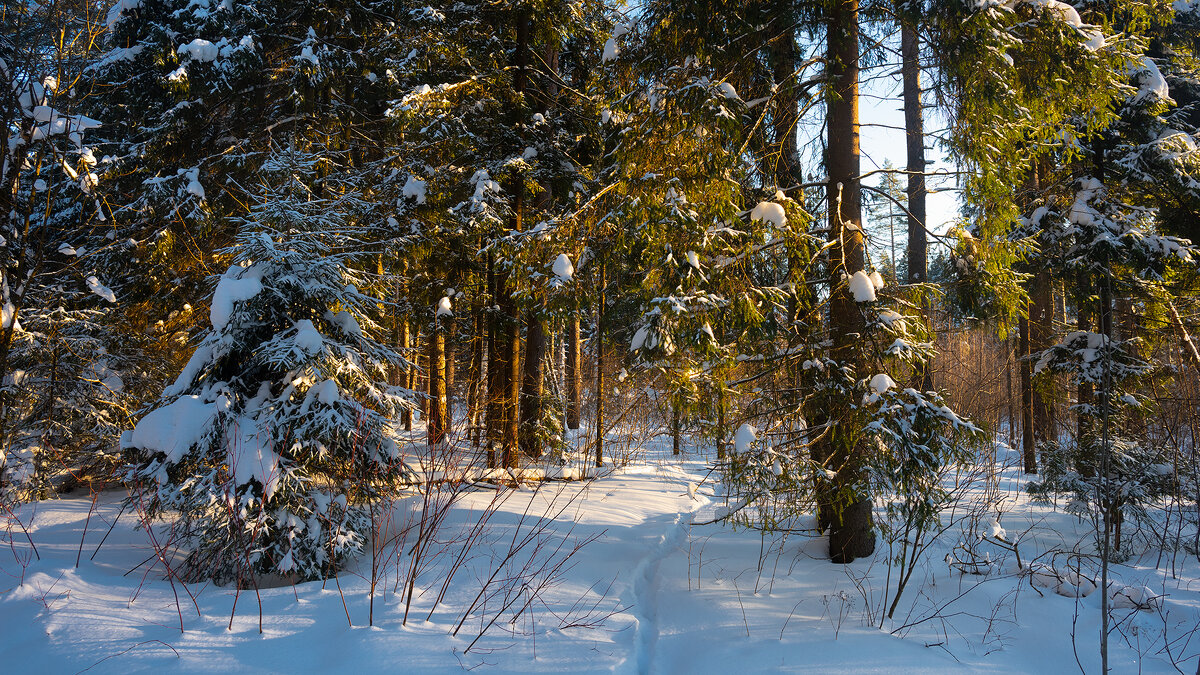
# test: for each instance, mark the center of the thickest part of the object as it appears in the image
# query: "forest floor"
(619, 573)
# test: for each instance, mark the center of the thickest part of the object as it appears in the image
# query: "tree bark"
(435, 420)
(574, 369)
(448, 370)
(1041, 333)
(851, 532)
(531, 390)
(1028, 442)
(1085, 392)
(599, 393)
(475, 376)
(495, 370)
(914, 136)
(676, 427)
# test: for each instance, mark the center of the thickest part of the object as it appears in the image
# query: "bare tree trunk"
(1041, 332)
(435, 420)
(722, 404)
(512, 386)
(1010, 348)
(475, 376)
(531, 391)
(599, 393)
(574, 369)
(1085, 392)
(676, 427)
(1028, 442)
(495, 370)
(851, 532)
(914, 134)
(420, 374)
(511, 342)
(448, 370)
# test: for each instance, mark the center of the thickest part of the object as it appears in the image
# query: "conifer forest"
(676, 336)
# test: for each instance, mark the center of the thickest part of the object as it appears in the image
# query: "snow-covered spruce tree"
(60, 397)
(274, 439)
(1106, 235)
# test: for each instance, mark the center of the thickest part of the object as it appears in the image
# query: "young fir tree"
(273, 441)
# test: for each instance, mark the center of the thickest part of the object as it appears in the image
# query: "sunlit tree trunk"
(851, 532)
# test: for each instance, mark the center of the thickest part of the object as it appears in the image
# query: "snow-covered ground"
(653, 591)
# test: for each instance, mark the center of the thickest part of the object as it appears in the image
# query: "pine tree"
(274, 440)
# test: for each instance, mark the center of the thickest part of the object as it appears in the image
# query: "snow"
(995, 531)
(610, 51)
(194, 187)
(639, 339)
(693, 259)
(238, 284)
(744, 438)
(7, 312)
(1151, 83)
(414, 188)
(307, 338)
(876, 279)
(252, 458)
(443, 308)
(562, 268)
(861, 287)
(728, 91)
(1069, 15)
(769, 212)
(675, 593)
(175, 427)
(327, 392)
(345, 321)
(881, 383)
(118, 8)
(100, 289)
(199, 50)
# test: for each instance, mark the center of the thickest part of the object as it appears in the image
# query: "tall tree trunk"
(676, 427)
(722, 407)
(787, 110)
(1010, 349)
(495, 369)
(574, 369)
(531, 390)
(851, 532)
(448, 370)
(512, 384)
(475, 376)
(435, 420)
(511, 342)
(1041, 333)
(1085, 392)
(1028, 442)
(914, 136)
(599, 393)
